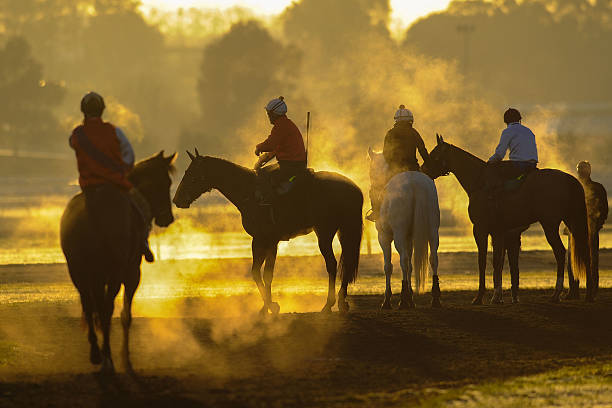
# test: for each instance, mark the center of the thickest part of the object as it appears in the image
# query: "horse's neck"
(235, 182)
(468, 169)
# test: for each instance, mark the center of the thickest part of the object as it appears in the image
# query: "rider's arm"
(272, 142)
(420, 144)
(263, 159)
(502, 147)
(127, 153)
(603, 211)
(389, 148)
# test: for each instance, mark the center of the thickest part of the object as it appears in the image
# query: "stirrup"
(370, 215)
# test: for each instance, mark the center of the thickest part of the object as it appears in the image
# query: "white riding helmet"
(403, 114)
(277, 106)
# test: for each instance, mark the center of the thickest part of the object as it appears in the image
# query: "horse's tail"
(349, 234)
(425, 211)
(577, 224)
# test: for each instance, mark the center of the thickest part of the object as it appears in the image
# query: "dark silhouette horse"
(97, 270)
(547, 196)
(326, 203)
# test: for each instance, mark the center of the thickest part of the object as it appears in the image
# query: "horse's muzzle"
(181, 204)
(164, 220)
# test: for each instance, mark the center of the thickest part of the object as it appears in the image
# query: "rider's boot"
(148, 255)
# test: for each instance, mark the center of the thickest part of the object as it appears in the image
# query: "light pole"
(465, 30)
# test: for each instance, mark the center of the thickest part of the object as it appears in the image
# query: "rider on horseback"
(401, 143)
(285, 143)
(104, 158)
(523, 157)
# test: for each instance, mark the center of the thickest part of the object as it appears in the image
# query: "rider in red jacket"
(285, 141)
(104, 159)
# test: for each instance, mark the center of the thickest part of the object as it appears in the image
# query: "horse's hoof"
(343, 307)
(435, 302)
(274, 308)
(555, 297)
(326, 309)
(94, 356)
(515, 300)
(108, 368)
(263, 312)
(477, 300)
(497, 301)
(572, 295)
(386, 305)
(406, 304)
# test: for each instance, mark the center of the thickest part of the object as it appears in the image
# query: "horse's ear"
(160, 154)
(196, 152)
(191, 156)
(370, 152)
(171, 159)
(439, 138)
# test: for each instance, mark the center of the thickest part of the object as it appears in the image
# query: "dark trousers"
(109, 209)
(289, 169)
(509, 169)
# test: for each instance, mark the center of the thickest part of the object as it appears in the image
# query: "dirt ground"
(197, 341)
(365, 358)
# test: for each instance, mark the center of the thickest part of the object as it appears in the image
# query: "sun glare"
(403, 11)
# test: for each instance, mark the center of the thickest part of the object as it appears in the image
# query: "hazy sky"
(405, 10)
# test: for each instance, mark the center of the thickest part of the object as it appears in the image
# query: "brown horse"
(326, 203)
(547, 196)
(98, 267)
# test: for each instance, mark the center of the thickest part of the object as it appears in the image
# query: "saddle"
(271, 186)
(505, 179)
(285, 204)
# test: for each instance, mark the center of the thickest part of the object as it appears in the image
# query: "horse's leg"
(385, 239)
(268, 275)
(574, 284)
(259, 255)
(481, 237)
(513, 245)
(105, 318)
(499, 251)
(434, 242)
(126, 316)
(404, 247)
(551, 230)
(88, 307)
(325, 239)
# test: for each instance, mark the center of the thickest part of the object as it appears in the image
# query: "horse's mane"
(227, 164)
(144, 165)
(466, 153)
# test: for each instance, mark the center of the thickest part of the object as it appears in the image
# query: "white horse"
(410, 217)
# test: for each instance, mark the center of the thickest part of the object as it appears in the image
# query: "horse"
(409, 217)
(547, 196)
(98, 270)
(328, 203)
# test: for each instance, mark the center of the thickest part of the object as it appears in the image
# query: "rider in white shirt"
(521, 142)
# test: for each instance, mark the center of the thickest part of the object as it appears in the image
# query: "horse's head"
(194, 182)
(152, 178)
(378, 168)
(437, 165)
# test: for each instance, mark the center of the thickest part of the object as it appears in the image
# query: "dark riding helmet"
(92, 105)
(511, 116)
